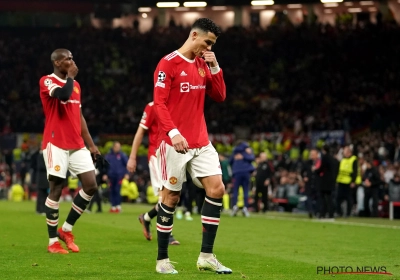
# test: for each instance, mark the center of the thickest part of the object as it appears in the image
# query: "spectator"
(371, 182)
(326, 169)
(241, 162)
(264, 174)
(346, 179)
(394, 193)
(116, 173)
(310, 182)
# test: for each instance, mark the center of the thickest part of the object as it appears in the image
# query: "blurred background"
(299, 75)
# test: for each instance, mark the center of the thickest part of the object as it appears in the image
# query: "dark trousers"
(368, 194)
(95, 199)
(325, 204)
(263, 190)
(41, 200)
(241, 179)
(115, 191)
(344, 193)
(312, 201)
(188, 194)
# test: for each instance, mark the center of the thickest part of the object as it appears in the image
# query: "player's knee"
(171, 199)
(216, 191)
(90, 188)
(55, 193)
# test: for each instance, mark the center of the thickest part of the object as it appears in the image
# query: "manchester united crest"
(202, 72)
(173, 180)
(57, 168)
(76, 90)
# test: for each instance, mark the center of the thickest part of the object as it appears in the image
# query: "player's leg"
(155, 178)
(207, 169)
(56, 161)
(165, 215)
(80, 163)
(172, 166)
(245, 185)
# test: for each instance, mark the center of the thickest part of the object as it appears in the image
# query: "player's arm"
(215, 85)
(137, 140)
(64, 93)
(162, 86)
(86, 136)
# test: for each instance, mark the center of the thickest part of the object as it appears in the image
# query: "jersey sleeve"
(77, 89)
(47, 86)
(162, 86)
(215, 85)
(147, 117)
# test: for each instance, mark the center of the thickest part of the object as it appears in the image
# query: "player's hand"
(131, 165)
(180, 144)
(209, 58)
(72, 71)
(94, 151)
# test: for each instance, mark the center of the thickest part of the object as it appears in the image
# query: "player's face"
(203, 41)
(65, 62)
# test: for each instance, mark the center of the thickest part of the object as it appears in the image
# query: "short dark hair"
(207, 25)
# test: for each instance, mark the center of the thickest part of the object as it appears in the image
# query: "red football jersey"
(149, 122)
(63, 119)
(180, 86)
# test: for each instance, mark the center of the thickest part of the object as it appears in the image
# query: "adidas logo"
(183, 73)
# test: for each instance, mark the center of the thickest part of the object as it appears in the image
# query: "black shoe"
(146, 227)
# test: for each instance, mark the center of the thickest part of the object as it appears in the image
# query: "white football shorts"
(199, 162)
(58, 161)
(155, 176)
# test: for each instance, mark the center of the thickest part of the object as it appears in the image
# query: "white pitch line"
(336, 222)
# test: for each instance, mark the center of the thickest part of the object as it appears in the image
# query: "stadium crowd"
(285, 78)
(304, 78)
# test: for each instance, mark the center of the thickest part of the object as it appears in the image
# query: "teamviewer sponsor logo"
(185, 87)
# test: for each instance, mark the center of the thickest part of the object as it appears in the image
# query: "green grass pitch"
(271, 246)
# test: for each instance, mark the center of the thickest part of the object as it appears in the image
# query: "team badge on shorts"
(173, 180)
(57, 168)
(202, 72)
